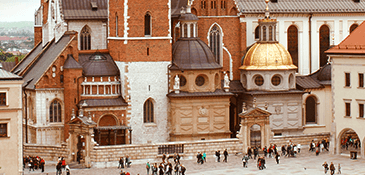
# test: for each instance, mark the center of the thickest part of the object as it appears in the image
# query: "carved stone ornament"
(226, 82)
(203, 111)
(177, 84)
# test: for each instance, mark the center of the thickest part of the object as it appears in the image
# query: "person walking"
(204, 157)
(277, 158)
(225, 153)
(68, 172)
(42, 163)
(245, 161)
(339, 169)
(121, 162)
(218, 154)
(332, 168)
(148, 167)
(325, 166)
(255, 152)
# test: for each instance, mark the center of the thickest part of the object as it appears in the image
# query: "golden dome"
(268, 56)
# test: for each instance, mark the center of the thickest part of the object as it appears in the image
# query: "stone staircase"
(76, 165)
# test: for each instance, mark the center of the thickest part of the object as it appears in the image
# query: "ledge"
(314, 126)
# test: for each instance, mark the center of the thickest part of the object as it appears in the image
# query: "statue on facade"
(177, 84)
(226, 82)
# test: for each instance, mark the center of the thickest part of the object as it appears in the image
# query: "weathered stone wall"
(150, 151)
(47, 152)
(301, 139)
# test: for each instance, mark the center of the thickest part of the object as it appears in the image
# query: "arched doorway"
(108, 132)
(255, 136)
(353, 27)
(324, 41)
(349, 141)
(293, 44)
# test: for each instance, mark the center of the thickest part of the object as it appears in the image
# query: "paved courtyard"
(305, 163)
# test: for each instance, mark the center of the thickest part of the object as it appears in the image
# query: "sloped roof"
(104, 102)
(302, 6)
(8, 66)
(98, 67)
(316, 80)
(352, 44)
(6, 75)
(42, 63)
(176, 6)
(82, 9)
(71, 63)
(307, 82)
(28, 59)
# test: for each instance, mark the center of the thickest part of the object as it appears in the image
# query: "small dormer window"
(94, 6)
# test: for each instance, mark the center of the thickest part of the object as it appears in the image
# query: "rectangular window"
(361, 80)
(2, 99)
(347, 80)
(361, 110)
(348, 109)
(4, 130)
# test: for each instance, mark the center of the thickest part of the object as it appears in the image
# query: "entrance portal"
(349, 142)
(255, 135)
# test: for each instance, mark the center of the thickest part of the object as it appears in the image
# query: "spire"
(267, 10)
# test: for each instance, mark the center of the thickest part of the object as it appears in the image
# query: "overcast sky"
(18, 10)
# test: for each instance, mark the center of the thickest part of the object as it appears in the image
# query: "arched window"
(85, 39)
(264, 33)
(353, 27)
(257, 32)
(148, 111)
(310, 110)
(55, 112)
(293, 43)
(324, 40)
(215, 43)
(270, 33)
(147, 24)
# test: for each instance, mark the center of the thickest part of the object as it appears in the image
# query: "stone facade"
(98, 32)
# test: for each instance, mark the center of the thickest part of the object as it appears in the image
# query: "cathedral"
(134, 72)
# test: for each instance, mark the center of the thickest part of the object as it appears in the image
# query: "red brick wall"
(37, 35)
(136, 50)
(45, 12)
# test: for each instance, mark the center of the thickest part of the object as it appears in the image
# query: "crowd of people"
(320, 146)
(33, 163)
(166, 167)
(350, 142)
(332, 168)
(124, 163)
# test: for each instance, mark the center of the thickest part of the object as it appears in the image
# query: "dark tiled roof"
(192, 54)
(217, 92)
(6, 75)
(307, 82)
(302, 6)
(28, 59)
(84, 120)
(8, 66)
(98, 67)
(235, 86)
(315, 80)
(81, 9)
(44, 61)
(71, 63)
(104, 102)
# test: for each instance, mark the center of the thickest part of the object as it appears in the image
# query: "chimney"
(16, 60)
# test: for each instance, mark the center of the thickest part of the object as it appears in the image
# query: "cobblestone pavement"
(305, 163)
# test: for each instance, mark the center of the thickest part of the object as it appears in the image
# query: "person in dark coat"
(255, 152)
(277, 157)
(121, 162)
(218, 154)
(249, 152)
(325, 166)
(225, 153)
(332, 168)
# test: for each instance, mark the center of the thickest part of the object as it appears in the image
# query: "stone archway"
(255, 136)
(255, 128)
(348, 140)
(109, 132)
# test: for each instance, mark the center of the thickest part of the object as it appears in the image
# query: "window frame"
(315, 110)
(85, 38)
(148, 114)
(6, 99)
(148, 24)
(361, 110)
(347, 108)
(7, 123)
(215, 37)
(58, 113)
(347, 79)
(361, 80)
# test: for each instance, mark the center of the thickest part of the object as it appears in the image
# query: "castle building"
(130, 72)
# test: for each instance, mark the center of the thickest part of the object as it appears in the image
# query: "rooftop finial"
(188, 7)
(267, 11)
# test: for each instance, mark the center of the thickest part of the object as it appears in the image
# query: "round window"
(199, 81)
(182, 80)
(259, 80)
(275, 80)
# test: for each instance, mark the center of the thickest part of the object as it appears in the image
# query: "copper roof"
(93, 66)
(82, 9)
(217, 92)
(71, 63)
(104, 102)
(192, 54)
(302, 6)
(352, 44)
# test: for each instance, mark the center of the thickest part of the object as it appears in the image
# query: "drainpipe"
(26, 110)
(310, 43)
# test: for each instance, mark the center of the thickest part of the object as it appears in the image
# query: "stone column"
(88, 147)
